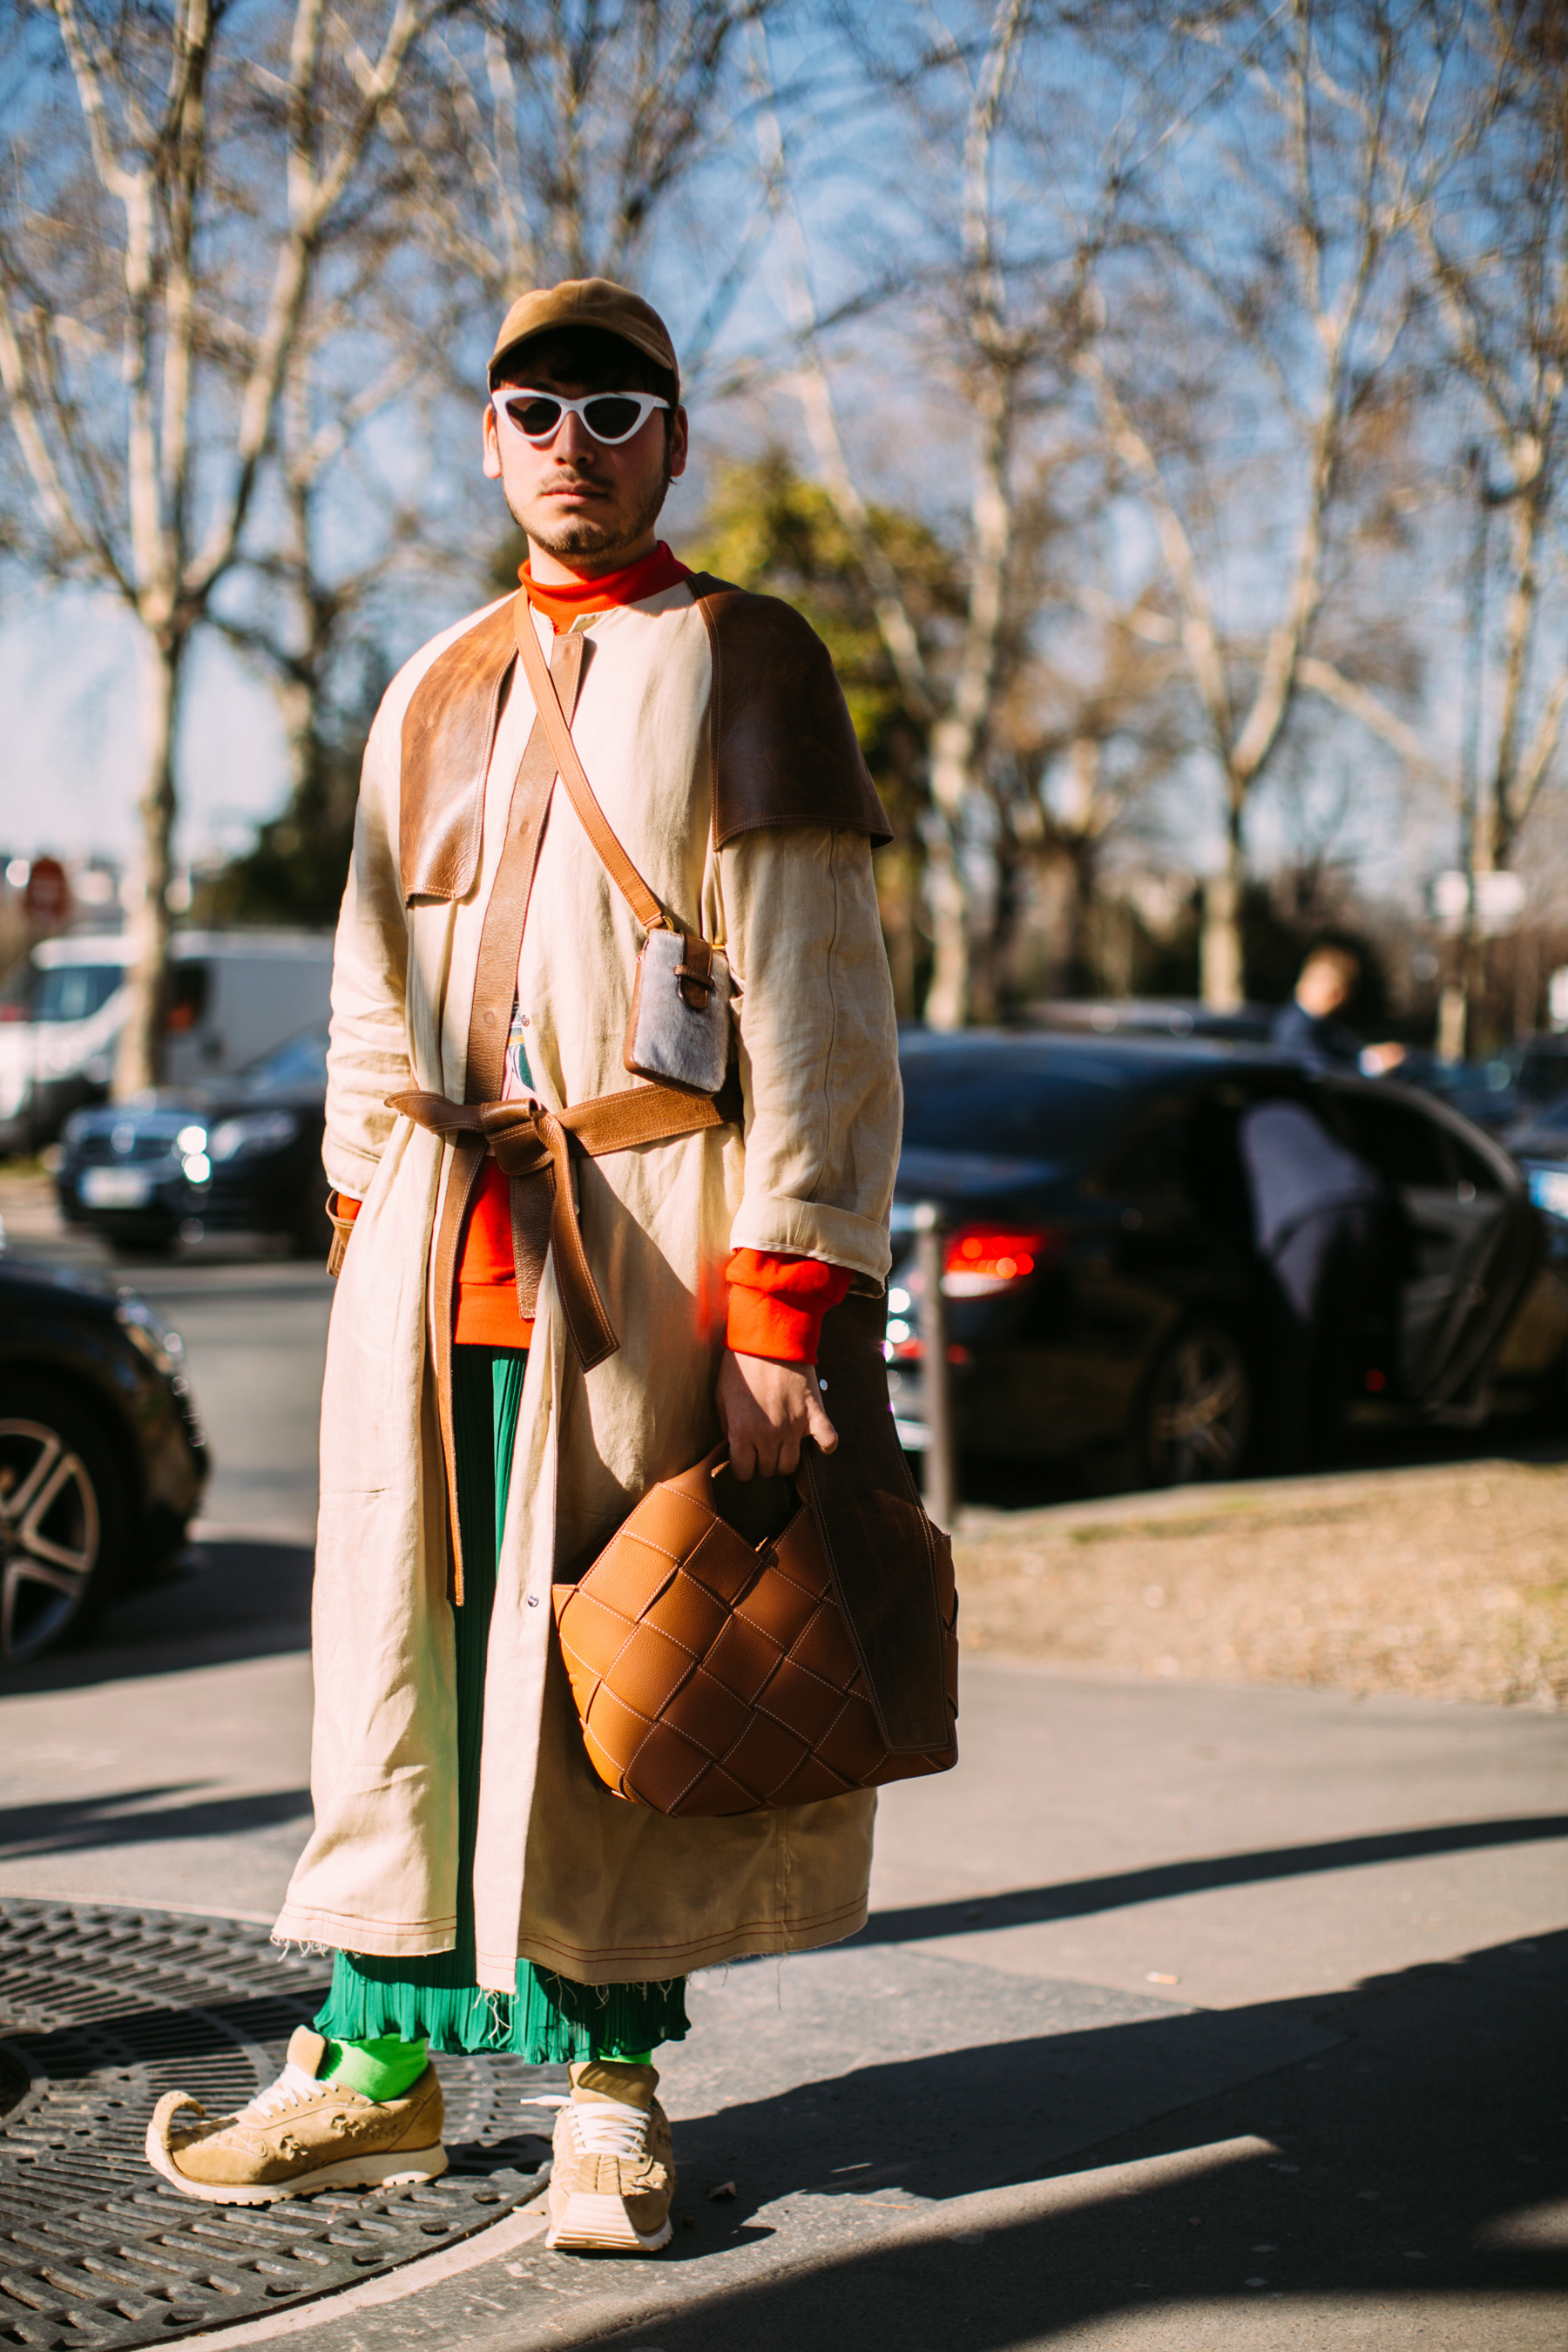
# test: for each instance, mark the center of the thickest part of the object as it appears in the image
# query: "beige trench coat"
(565, 1874)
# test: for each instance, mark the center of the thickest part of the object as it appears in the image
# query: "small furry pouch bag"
(680, 1030)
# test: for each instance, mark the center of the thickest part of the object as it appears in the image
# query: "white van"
(236, 995)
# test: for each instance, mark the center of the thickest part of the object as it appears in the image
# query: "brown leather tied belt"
(533, 1146)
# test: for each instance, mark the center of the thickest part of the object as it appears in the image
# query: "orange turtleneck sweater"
(777, 1301)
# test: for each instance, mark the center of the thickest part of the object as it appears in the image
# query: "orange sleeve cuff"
(342, 1209)
(777, 1303)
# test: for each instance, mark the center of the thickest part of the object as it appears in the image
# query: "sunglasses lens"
(613, 417)
(536, 418)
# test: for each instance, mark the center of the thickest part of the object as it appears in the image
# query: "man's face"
(1326, 986)
(590, 506)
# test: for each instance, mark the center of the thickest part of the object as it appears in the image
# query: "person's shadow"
(1418, 2152)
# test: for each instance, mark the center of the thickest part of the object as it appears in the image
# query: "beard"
(603, 534)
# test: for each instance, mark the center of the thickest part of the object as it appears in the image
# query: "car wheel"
(64, 1519)
(1197, 1417)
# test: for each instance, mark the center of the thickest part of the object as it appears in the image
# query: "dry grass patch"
(1450, 1585)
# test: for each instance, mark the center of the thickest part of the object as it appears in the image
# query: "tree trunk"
(1453, 1014)
(1526, 981)
(1480, 1028)
(139, 1057)
(1080, 975)
(1080, 846)
(297, 708)
(897, 886)
(947, 999)
(1220, 961)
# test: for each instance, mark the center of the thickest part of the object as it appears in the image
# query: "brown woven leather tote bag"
(714, 1676)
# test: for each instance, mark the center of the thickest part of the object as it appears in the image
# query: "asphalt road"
(256, 1338)
(1217, 2019)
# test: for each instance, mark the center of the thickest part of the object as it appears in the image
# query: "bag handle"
(574, 776)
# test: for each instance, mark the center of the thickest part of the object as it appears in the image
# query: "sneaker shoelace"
(606, 2127)
(292, 2087)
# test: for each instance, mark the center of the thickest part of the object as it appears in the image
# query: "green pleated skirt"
(550, 2020)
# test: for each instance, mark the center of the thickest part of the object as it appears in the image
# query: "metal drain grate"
(104, 2008)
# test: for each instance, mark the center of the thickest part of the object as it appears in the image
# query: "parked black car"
(1149, 1016)
(242, 1157)
(102, 1460)
(1512, 1087)
(1105, 1300)
(1539, 1142)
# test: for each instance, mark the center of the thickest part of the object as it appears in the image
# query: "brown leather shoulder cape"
(784, 745)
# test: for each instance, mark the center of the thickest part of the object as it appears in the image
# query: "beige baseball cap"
(587, 302)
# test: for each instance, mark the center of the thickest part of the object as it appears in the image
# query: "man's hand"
(767, 1407)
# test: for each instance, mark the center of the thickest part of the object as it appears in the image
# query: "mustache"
(575, 477)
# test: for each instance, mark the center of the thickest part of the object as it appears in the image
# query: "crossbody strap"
(574, 776)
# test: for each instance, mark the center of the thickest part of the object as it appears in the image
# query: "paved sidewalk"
(1105, 2015)
(1217, 2018)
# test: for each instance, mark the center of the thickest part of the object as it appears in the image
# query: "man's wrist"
(777, 1301)
(342, 1208)
(782, 1363)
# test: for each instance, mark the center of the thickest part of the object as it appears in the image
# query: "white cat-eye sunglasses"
(611, 417)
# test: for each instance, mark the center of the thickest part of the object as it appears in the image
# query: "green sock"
(376, 2069)
(623, 2057)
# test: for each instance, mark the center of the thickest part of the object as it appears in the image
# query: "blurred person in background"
(1308, 1028)
(479, 1886)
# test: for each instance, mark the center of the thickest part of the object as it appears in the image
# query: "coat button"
(534, 1600)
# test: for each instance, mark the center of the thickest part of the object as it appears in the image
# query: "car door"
(1137, 1243)
(1469, 1241)
(1161, 1253)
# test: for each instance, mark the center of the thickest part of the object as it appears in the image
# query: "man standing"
(478, 1887)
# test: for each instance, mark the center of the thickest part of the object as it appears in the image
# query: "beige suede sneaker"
(299, 2136)
(612, 2175)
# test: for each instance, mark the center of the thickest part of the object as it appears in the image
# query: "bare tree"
(335, 542)
(992, 326)
(544, 138)
(525, 142)
(1491, 243)
(1268, 275)
(1088, 729)
(158, 233)
(1504, 299)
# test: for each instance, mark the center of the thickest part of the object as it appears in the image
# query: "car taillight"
(912, 1350)
(984, 1259)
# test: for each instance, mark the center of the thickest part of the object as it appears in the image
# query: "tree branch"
(75, 540)
(815, 392)
(1360, 702)
(311, 202)
(1200, 632)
